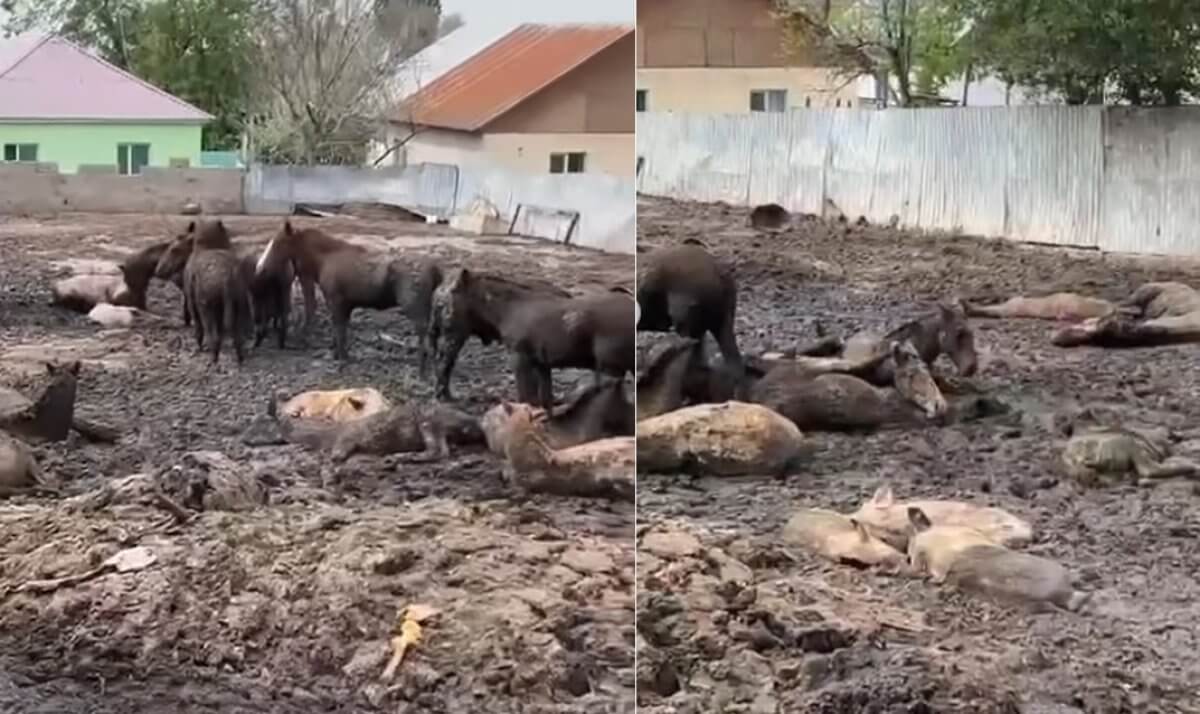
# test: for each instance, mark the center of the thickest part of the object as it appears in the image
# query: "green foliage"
(1147, 50)
(199, 50)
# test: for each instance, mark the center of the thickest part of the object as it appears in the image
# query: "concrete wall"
(1119, 179)
(530, 153)
(605, 204)
(41, 189)
(727, 90)
(75, 144)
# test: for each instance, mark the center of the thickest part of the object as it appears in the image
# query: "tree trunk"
(967, 84)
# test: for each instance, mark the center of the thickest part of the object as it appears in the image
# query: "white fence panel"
(1114, 178)
(1151, 192)
(1055, 172)
(605, 204)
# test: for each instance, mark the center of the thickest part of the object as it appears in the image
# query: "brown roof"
(507, 72)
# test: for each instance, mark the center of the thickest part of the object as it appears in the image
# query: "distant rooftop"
(506, 72)
(45, 78)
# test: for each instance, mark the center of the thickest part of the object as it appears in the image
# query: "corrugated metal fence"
(1116, 178)
(605, 204)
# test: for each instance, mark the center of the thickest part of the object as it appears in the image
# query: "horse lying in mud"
(544, 327)
(1155, 314)
(351, 277)
(214, 286)
(1148, 301)
(943, 331)
(81, 293)
(597, 411)
(684, 289)
(830, 395)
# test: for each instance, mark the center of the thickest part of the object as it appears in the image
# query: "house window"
(641, 100)
(20, 152)
(768, 100)
(568, 163)
(131, 158)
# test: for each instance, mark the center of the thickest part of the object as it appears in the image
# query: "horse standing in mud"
(214, 288)
(469, 304)
(351, 277)
(683, 288)
(593, 332)
(270, 291)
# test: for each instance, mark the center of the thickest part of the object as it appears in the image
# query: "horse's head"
(915, 383)
(280, 248)
(176, 254)
(957, 339)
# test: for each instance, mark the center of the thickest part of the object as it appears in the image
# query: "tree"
(1143, 51)
(200, 51)
(326, 73)
(108, 26)
(914, 41)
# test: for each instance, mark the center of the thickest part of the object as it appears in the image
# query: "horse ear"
(287, 227)
(883, 497)
(191, 228)
(464, 277)
(918, 519)
(897, 353)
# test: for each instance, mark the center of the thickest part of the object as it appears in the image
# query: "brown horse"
(351, 277)
(943, 331)
(470, 304)
(593, 332)
(138, 269)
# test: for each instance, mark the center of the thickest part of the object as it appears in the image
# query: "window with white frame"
(567, 163)
(131, 158)
(768, 100)
(21, 152)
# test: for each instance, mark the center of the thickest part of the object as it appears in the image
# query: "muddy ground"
(730, 620)
(289, 607)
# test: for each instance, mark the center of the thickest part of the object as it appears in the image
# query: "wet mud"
(731, 620)
(290, 605)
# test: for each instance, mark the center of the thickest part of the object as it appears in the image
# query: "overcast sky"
(512, 12)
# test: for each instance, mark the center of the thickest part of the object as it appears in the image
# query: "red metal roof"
(507, 72)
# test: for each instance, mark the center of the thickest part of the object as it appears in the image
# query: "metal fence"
(1115, 178)
(592, 210)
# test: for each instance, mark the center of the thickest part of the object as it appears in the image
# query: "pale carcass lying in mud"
(1061, 307)
(602, 468)
(888, 518)
(121, 316)
(339, 405)
(81, 293)
(1099, 456)
(427, 429)
(599, 410)
(19, 470)
(1151, 300)
(840, 539)
(971, 561)
(727, 439)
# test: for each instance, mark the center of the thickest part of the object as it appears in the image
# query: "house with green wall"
(61, 104)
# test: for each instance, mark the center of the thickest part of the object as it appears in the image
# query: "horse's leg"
(545, 384)
(197, 324)
(727, 343)
(526, 373)
(340, 314)
(454, 345)
(214, 331)
(308, 287)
